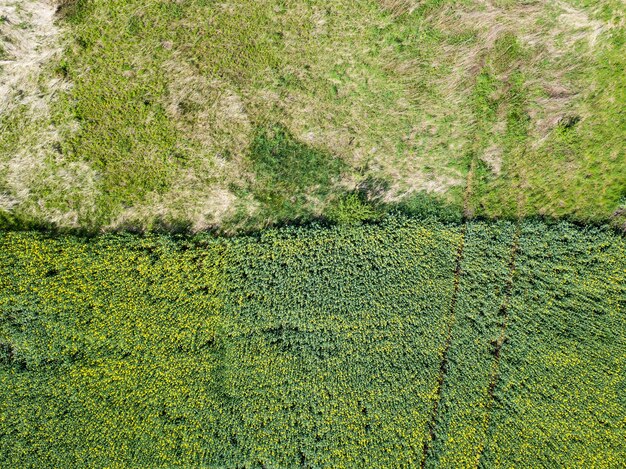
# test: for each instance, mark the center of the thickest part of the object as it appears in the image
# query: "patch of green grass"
(424, 206)
(73, 11)
(505, 194)
(290, 177)
(352, 209)
(580, 170)
(570, 164)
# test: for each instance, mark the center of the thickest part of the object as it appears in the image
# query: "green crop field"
(400, 344)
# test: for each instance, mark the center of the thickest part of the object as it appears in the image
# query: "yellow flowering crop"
(395, 345)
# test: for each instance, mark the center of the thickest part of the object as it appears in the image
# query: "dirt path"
(28, 41)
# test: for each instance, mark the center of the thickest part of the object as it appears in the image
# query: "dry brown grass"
(187, 204)
(547, 30)
(400, 7)
(208, 111)
(29, 37)
(34, 178)
(492, 156)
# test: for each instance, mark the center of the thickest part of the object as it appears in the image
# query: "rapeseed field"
(406, 343)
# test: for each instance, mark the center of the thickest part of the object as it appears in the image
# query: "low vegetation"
(146, 115)
(483, 344)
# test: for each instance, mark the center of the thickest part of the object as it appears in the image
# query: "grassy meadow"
(238, 115)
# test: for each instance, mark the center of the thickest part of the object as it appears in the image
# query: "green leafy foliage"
(347, 327)
(426, 206)
(560, 398)
(334, 347)
(352, 209)
(100, 346)
(462, 420)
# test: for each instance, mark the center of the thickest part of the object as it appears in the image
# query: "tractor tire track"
(443, 366)
(500, 341)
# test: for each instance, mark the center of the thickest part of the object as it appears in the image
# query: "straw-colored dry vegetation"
(145, 114)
